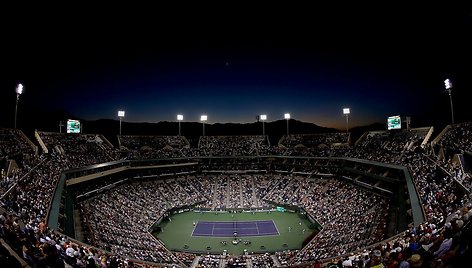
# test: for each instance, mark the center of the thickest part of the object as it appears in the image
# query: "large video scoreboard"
(394, 122)
(73, 126)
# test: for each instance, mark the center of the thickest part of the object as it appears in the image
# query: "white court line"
(278, 233)
(194, 227)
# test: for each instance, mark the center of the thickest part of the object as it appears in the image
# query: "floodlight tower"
(263, 118)
(203, 119)
(180, 118)
(448, 85)
(287, 117)
(19, 91)
(121, 114)
(346, 112)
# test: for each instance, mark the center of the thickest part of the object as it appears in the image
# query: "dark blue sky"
(233, 66)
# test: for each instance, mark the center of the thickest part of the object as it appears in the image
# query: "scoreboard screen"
(394, 122)
(73, 126)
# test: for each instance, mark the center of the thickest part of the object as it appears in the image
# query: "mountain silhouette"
(49, 121)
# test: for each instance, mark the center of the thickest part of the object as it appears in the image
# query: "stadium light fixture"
(203, 118)
(19, 90)
(263, 118)
(448, 85)
(346, 112)
(287, 117)
(180, 118)
(121, 114)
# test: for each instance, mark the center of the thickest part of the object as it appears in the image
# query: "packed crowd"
(138, 205)
(320, 141)
(13, 144)
(231, 145)
(351, 219)
(119, 221)
(79, 150)
(458, 138)
(441, 239)
(150, 147)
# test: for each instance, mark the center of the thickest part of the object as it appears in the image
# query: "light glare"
(448, 83)
(263, 117)
(203, 118)
(19, 89)
(287, 116)
(346, 111)
(121, 113)
(180, 117)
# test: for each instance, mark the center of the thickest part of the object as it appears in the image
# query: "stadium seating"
(116, 219)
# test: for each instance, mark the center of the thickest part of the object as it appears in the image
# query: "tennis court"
(213, 232)
(235, 228)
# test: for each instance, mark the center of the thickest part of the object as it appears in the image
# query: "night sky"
(233, 64)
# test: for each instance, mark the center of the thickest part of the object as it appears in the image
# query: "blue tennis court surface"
(228, 228)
